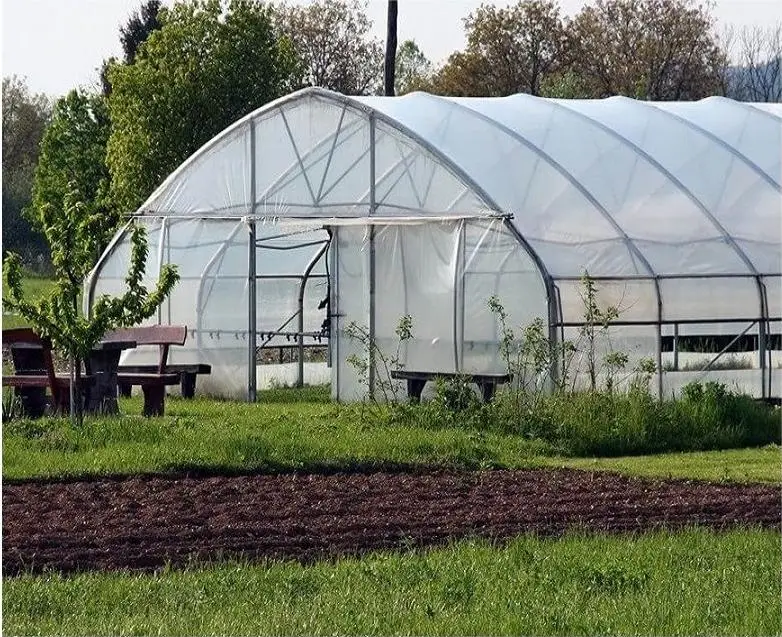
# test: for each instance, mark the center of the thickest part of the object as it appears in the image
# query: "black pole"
(390, 67)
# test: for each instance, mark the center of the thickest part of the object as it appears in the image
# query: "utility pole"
(390, 66)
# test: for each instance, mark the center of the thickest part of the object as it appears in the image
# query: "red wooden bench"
(153, 383)
(34, 370)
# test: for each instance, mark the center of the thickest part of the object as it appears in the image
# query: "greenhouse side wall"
(440, 274)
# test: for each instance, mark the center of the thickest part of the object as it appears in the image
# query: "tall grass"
(691, 583)
(282, 433)
(599, 423)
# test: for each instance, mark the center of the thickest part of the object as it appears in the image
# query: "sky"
(58, 45)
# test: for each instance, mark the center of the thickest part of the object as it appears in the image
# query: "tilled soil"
(147, 522)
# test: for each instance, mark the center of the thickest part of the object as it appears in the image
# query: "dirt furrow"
(147, 522)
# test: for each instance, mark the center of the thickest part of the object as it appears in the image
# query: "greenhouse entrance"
(288, 306)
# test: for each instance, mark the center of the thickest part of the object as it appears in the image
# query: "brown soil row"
(147, 522)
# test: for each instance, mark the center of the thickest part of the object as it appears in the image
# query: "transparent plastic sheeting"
(211, 297)
(684, 199)
(617, 187)
(442, 275)
(311, 157)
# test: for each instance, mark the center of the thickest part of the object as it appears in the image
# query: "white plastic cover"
(676, 208)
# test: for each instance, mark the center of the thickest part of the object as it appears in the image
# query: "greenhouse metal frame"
(673, 209)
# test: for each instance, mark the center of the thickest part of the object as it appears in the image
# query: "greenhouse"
(318, 211)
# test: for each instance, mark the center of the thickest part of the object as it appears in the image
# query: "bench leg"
(123, 389)
(32, 399)
(187, 383)
(154, 399)
(487, 390)
(414, 388)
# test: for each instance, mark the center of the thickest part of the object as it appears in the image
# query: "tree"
(413, 68)
(509, 50)
(756, 73)
(136, 31)
(138, 28)
(331, 38)
(73, 234)
(25, 116)
(73, 152)
(647, 49)
(207, 66)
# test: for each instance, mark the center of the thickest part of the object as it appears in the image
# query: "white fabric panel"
(693, 299)
(409, 179)
(352, 285)
(613, 172)
(216, 181)
(495, 264)
(611, 258)
(637, 341)
(754, 130)
(419, 263)
(544, 203)
(636, 300)
(712, 256)
(712, 174)
(774, 295)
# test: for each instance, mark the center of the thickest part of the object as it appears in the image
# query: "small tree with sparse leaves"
(73, 234)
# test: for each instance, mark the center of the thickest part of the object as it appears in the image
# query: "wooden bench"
(187, 375)
(34, 373)
(416, 381)
(153, 383)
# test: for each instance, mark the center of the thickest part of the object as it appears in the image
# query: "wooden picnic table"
(100, 393)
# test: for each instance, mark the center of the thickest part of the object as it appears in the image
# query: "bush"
(601, 423)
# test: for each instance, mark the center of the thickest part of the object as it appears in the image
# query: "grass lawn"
(314, 435)
(34, 288)
(695, 582)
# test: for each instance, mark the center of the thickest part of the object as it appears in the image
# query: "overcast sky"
(58, 44)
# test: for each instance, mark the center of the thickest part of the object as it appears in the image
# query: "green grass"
(693, 583)
(33, 288)
(279, 435)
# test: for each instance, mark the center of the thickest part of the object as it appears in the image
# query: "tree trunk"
(390, 66)
(78, 392)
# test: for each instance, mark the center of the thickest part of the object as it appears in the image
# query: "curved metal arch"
(671, 177)
(712, 137)
(747, 106)
(562, 171)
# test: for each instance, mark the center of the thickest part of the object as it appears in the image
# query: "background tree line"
(189, 70)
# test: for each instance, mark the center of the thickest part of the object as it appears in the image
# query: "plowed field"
(147, 522)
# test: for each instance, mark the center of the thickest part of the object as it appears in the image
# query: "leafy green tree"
(25, 116)
(73, 231)
(413, 68)
(138, 28)
(646, 49)
(208, 65)
(332, 39)
(509, 50)
(73, 152)
(132, 35)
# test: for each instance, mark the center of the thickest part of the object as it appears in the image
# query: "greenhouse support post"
(372, 205)
(300, 309)
(762, 326)
(252, 306)
(251, 317)
(659, 338)
(676, 347)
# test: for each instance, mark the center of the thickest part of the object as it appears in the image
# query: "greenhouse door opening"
(291, 307)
